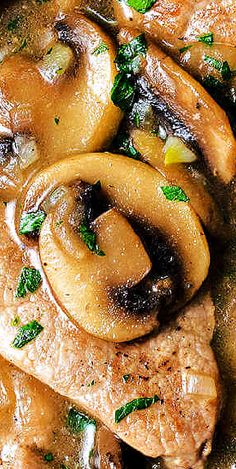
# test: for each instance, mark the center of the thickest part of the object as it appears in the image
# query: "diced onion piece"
(176, 151)
(55, 62)
(53, 198)
(199, 385)
(25, 148)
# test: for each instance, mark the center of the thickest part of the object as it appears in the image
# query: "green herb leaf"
(89, 238)
(123, 91)
(48, 457)
(15, 322)
(62, 466)
(125, 146)
(185, 48)
(212, 83)
(56, 120)
(31, 222)
(41, 2)
(142, 6)
(26, 334)
(103, 47)
(78, 421)
(137, 404)
(23, 45)
(206, 39)
(13, 24)
(29, 281)
(222, 67)
(126, 378)
(174, 193)
(129, 55)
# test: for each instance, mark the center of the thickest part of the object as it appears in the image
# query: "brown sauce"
(27, 26)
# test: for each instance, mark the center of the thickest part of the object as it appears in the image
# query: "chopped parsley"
(30, 223)
(23, 45)
(142, 6)
(211, 82)
(49, 51)
(60, 71)
(13, 24)
(128, 58)
(206, 39)
(123, 91)
(26, 334)
(126, 378)
(174, 193)
(103, 47)
(137, 404)
(15, 322)
(89, 238)
(185, 48)
(62, 466)
(56, 120)
(29, 281)
(222, 67)
(48, 457)
(78, 421)
(125, 145)
(41, 2)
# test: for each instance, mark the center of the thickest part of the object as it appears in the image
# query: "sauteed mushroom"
(151, 147)
(67, 107)
(136, 191)
(193, 105)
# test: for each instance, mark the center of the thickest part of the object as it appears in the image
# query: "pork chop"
(69, 360)
(34, 429)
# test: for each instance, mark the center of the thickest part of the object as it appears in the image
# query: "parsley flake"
(56, 120)
(128, 58)
(89, 238)
(26, 334)
(174, 193)
(48, 457)
(78, 421)
(29, 281)
(185, 48)
(30, 223)
(142, 6)
(125, 146)
(206, 39)
(123, 91)
(137, 404)
(13, 24)
(222, 67)
(126, 378)
(102, 47)
(23, 45)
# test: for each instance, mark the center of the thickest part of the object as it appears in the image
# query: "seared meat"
(69, 360)
(34, 425)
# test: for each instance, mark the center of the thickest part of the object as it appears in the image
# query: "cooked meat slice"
(34, 427)
(177, 365)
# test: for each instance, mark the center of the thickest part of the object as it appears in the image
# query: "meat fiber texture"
(66, 358)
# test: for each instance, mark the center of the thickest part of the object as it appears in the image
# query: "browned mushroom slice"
(64, 98)
(193, 106)
(151, 148)
(136, 190)
(125, 263)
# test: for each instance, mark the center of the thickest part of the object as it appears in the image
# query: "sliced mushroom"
(193, 105)
(151, 148)
(136, 190)
(64, 255)
(67, 109)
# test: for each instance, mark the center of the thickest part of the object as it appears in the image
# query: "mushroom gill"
(121, 261)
